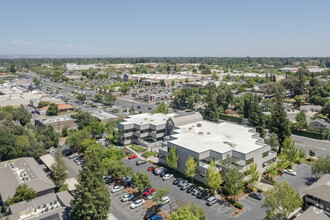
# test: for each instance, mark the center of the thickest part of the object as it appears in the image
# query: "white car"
(290, 172)
(73, 155)
(50, 150)
(117, 188)
(151, 196)
(165, 201)
(137, 203)
(167, 176)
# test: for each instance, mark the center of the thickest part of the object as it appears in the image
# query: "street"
(320, 147)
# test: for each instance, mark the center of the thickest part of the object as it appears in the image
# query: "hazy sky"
(165, 28)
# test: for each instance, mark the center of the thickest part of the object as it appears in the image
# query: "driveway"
(320, 147)
(302, 180)
(178, 198)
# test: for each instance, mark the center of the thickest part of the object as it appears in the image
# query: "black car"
(202, 194)
(256, 196)
(176, 181)
(162, 174)
(191, 188)
(149, 214)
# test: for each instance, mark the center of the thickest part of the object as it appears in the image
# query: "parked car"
(50, 150)
(202, 194)
(149, 214)
(151, 169)
(290, 172)
(140, 162)
(182, 183)
(116, 189)
(185, 186)
(190, 188)
(151, 196)
(130, 157)
(156, 217)
(127, 197)
(167, 177)
(137, 203)
(158, 170)
(176, 181)
(162, 174)
(108, 179)
(148, 191)
(73, 155)
(256, 195)
(211, 201)
(165, 199)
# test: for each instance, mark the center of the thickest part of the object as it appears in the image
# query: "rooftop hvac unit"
(208, 132)
(52, 207)
(55, 201)
(44, 205)
(199, 125)
(200, 132)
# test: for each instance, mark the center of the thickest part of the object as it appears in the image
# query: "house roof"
(60, 107)
(313, 213)
(24, 170)
(320, 189)
(47, 159)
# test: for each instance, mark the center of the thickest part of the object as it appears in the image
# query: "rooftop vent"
(199, 125)
(200, 132)
(208, 132)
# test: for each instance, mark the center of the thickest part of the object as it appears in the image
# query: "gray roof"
(321, 122)
(313, 213)
(27, 168)
(320, 189)
(186, 118)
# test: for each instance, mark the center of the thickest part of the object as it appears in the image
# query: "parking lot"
(302, 180)
(178, 198)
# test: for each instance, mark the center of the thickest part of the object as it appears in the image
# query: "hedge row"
(231, 118)
(311, 134)
(237, 205)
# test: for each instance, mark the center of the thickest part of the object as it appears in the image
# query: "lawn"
(149, 154)
(138, 148)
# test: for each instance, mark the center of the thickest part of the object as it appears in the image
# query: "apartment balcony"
(128, 134)
(268, 156)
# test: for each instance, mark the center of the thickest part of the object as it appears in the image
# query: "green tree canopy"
(110, 99)
(22, 115)
(321, 166)
(22, 193)
(141, 181)
(254, 173)
(91, 197)
(233, 182)
(281, 200)
(81, 97)
(213, 177)
(301, 120)
(190, 170)
(189, 211)
(161, 108)
(59, 169)
(42, 104)
(52, 109)
(172, 158)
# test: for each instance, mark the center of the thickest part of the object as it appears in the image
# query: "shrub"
(311, 153)
(138, 148)
(259, 190)
(149, 154)
(311, 134)
(237, 205)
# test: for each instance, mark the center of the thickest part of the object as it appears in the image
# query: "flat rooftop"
(102, 114)
(223, 137)
(46, 120)
(147, 118)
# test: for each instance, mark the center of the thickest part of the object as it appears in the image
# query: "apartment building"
(206, 141)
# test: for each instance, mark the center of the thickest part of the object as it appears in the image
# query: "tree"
(65, 131)
(234, 182)
(281, 200)
(22, 193)
(96, 128)
(272, 141)
(173, 83)
(75, 139)
(42, 104)
(280, 123)
(254, 173)
(59, 169)
(141, 181)
(172, 158)
(12, 68)
(213, 177)
(81, 97)
(326, 109)
(22, 144)
(189, 211)
(301, 120)
(298, 100)
(91, 199)
(256, 117)
(191, 164)
(321, 166)
(22, 115)
(290, 150)
(301, 154)
(116, 168)
(84, 119)
(98, 97)
(160, 193)
(247, 106)
(161, 108)
(110, 99)
(52, 109)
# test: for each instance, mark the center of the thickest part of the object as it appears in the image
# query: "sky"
(153, 28)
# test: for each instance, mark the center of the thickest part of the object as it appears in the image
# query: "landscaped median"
(149, 154)
(138, 148)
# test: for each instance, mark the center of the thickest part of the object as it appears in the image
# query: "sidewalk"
(264, 186)
(112, 217)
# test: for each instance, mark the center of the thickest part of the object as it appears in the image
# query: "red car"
(132, 156)
(151, 169)
(148, 191)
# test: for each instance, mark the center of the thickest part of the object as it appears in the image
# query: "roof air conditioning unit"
(208, 132)
(200, 132)
(199, 125)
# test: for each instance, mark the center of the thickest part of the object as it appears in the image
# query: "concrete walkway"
(112, 217)
(264, 186)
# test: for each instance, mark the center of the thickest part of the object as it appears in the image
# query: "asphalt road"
(320, 147)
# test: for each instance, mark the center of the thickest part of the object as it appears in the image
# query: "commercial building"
(156, 79)
(104, 116)
(61, 107)
(73, 66)
(57, 122)
(206, 141)
(35, 102)
(24, 170)
(54, 206)
(318, 194)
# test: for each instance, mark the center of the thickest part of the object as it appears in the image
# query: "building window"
(265, 154)
(249, 161)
